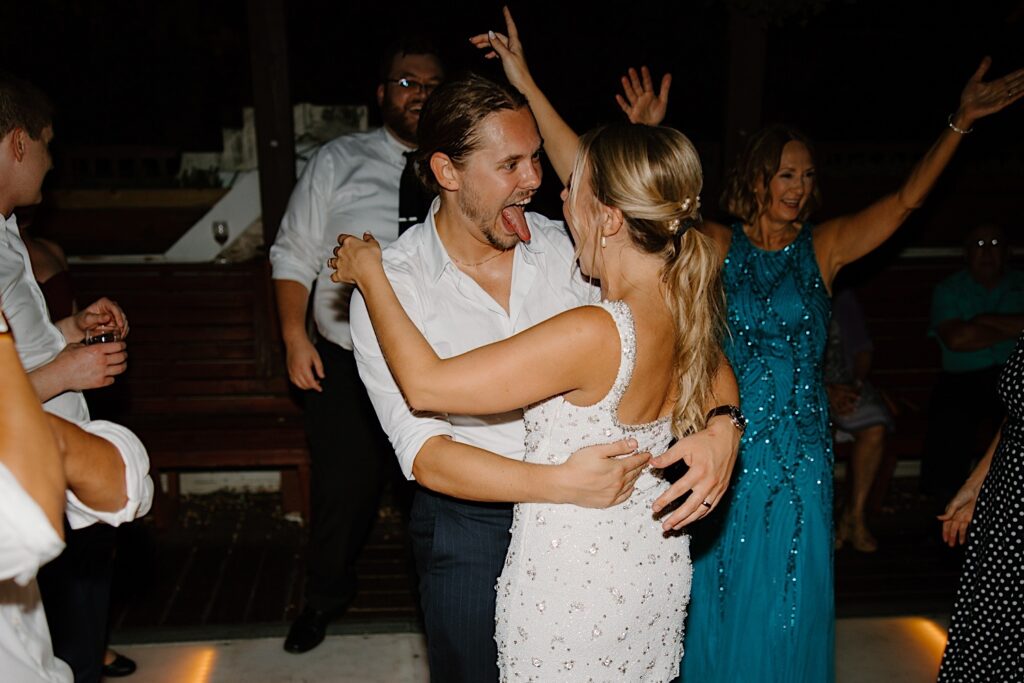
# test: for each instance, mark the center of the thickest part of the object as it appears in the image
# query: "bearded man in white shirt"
(478, 270)
(349, 185)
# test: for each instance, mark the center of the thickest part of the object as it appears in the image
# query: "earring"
(604, 241)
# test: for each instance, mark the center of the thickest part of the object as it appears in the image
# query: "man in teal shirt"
(977, 315)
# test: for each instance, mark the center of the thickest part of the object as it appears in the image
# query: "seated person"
(860, 415)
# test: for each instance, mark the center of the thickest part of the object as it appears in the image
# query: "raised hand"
(980, 98)
(353, 258)
(509, 49)
(641, 104)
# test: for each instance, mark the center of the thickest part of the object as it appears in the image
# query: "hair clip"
(673, 225)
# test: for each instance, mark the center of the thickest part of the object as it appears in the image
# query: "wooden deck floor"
(232, 567)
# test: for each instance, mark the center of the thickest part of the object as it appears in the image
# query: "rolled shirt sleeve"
(138, 484)
(407, 430)
(297, 253)
(27, 539)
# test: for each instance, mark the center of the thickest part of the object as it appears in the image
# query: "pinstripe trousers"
(460, 549)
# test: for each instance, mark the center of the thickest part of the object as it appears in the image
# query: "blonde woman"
(588, 592)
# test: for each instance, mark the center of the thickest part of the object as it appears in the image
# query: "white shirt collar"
(396, 148)
(10, 223)
(438, 259)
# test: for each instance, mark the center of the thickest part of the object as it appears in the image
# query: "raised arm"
(554, 357)
(560, 140)
(639, 100)
(847, 238)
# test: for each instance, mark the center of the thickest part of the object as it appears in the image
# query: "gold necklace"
(478, 263)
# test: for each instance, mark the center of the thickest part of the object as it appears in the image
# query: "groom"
(481, 269)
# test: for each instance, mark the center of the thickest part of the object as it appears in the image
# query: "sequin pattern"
(763, 607)
(592, 595)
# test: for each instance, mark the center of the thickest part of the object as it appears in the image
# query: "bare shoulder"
(591, 322)
(720, 234)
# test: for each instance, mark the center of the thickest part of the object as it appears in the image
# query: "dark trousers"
(963, 416)
(460, 549)
(75, 589)
(349, 453)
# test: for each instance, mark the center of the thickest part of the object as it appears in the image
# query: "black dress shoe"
(121, 666)
(308, 630)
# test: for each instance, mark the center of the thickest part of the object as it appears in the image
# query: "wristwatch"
(739, 421)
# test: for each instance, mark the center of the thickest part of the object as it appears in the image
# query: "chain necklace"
(478, 263)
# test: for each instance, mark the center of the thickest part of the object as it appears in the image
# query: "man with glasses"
(977, 315)
(350, 185)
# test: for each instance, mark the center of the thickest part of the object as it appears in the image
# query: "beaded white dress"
(593, 595)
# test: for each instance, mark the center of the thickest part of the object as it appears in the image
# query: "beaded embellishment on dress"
(593, 595)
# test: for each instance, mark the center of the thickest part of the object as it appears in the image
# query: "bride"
(590, 594)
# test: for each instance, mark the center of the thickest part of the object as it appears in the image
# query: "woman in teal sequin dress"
(762, 606)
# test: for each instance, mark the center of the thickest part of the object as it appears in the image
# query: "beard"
(402, 122)
(472, 207)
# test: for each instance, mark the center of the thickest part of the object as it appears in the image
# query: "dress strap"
(623, 317)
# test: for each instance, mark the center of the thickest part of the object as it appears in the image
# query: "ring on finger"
(707, 504)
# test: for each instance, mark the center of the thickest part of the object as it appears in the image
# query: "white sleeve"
(298, 251)
(138, 484)
(27, 539)
(408, 431)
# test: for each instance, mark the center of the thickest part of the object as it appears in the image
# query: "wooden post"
(275, 131)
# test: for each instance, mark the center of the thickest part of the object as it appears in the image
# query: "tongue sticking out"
(515, 222)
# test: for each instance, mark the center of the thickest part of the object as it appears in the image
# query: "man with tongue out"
(480, 269)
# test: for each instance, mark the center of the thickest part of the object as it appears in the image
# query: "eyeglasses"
(982, 244)
(410, 84)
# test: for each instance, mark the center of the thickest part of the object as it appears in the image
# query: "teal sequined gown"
(762, 606)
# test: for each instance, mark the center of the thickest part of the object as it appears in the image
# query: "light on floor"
(200, 667)
(929, 634)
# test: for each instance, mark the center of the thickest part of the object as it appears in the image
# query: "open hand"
(958, 515)
(641, 104)
(980, 98)
(354, 258)
(600, 476)
(711, 456)
(509, 49)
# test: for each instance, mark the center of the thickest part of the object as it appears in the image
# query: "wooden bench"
(205, 387)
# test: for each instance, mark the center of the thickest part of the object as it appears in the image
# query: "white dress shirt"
(27, 542)
(456, 315)
(38, 340)
(350, 185)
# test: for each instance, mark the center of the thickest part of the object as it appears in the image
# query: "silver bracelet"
(956, 129)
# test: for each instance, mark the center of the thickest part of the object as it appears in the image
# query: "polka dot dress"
(986, 634)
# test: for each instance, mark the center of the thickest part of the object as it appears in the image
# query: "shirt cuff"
(287, 268)
(138, 484)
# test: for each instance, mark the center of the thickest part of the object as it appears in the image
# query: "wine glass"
(220, 232)
(220, 236)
